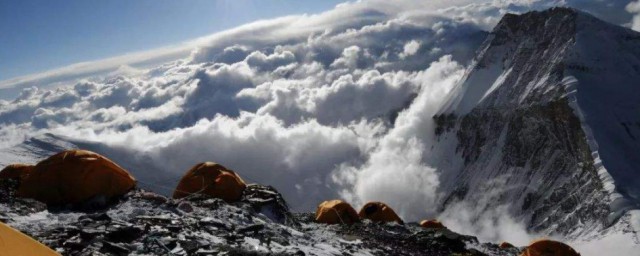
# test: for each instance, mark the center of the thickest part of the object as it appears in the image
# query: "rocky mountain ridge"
(145, 223)
(531, 122)
(544, 122)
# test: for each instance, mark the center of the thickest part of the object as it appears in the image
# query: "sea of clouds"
(332, 105)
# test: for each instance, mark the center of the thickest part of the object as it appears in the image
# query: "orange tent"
(379, 212)
(213, 180)
(74, 176)
(505, 245)
(14, 242)
(336, 212)
(546, 247)
(16, 171)
(431, 224)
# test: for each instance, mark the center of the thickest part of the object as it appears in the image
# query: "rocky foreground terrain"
(145, 223)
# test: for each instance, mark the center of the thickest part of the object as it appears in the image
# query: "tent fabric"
(211, 179)
(546, 247)
(336, 212)
(14, 242)
(16, 171)
(379, 212)
(431, 224)
(74, 176)
(506, 245)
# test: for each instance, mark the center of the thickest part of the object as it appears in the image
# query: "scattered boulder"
(268, 201)
(153, 197)
(75, 176)
(213, 180)
(123, 233)
(8, 189)
(145, 223)
(432, 224)
(379, 212)
(336, 212)
(139, 224)
(114, 249)
(185, 207)
(545, 247)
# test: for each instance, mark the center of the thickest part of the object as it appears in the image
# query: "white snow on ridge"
(617, 204)
(605, 95)
(607, 100)
(478, 82)
(598, 72)
(34, 150)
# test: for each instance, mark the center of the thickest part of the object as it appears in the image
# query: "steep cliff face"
(547, 118)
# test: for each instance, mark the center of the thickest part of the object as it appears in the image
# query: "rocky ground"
(145, 223)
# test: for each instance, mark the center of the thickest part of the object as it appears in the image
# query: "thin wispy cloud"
(296, 27)
(336, 104)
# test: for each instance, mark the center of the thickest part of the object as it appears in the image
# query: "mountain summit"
(548, 111)
(543, 129)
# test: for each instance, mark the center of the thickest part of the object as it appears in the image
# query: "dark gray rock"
(214, 227)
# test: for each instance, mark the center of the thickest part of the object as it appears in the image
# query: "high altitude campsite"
(335, 127)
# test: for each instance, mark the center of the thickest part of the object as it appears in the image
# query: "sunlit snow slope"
(547, 122)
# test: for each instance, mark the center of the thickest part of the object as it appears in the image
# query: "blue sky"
(39, 35)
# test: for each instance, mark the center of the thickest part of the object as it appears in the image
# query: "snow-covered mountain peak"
(533, 52)
(536, 23)
(550, 104)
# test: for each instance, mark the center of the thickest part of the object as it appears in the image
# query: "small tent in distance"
(379, 212)
(506, 245)
(213, 180)
(336, 212)
(546, 247)
(432, 224)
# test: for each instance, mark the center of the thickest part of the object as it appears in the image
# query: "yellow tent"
(74, 176)
(336, 212)
(211, 179)
(14, 242)
(379, 212)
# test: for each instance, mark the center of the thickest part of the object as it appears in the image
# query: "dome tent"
(336, 212)
(211, 179)
(546, 247)
(75, 176)
(506, 245)
(16, 171)
(14, 242)
(431, 224)
(379, 212)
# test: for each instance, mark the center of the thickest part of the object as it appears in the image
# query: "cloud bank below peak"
(358, 80)
(297, 28)
(332, 105)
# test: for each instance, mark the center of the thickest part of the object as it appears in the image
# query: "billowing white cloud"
(489, 222)
(295, 159)
(270, 115)
(72, 73)
(394, 171)
(337, 104)
(351, 15)
(410, 48)
(634, 8)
